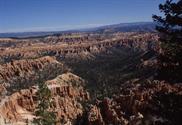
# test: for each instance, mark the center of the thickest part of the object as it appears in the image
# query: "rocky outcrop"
(23, 67)
(137, 105)
(94, 116)
(25, 73)
(67, 94)
(75, 46)
(135, 102)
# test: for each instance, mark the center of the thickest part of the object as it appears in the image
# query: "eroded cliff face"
(136, 104)
(148, 103)
(68, 94)
(21, 74)
(114, 82)
(76, 46)
(23, 67)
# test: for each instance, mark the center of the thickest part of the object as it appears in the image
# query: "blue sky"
(52, 15)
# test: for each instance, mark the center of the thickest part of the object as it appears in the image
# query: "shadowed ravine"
(94, 80)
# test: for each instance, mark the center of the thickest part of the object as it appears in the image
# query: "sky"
(57, 15)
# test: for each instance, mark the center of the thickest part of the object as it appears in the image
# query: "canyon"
(95, 79)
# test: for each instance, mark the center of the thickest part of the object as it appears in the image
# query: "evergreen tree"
(43, 114)
(170, 32)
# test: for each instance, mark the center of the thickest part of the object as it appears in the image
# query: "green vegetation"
(170, 29)
(44, 116)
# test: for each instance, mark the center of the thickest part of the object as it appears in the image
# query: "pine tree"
(43, 114)
(169, 27)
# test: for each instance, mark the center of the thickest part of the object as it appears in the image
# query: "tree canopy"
(44, 116)
(169, 27)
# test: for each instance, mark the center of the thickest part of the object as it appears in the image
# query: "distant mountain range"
(128, 27)
(122, 27)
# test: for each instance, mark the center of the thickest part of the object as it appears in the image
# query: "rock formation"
(24, 73)
(67, 93)
(74, 46)
(114, 81)
(137, 104)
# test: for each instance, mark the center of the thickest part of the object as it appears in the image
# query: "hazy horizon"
(72, 29)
